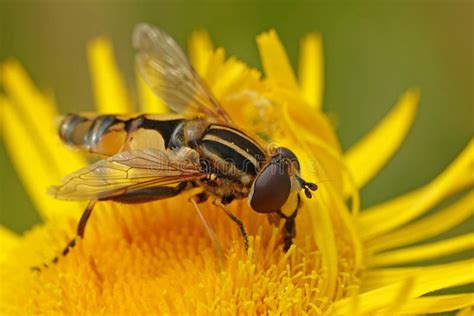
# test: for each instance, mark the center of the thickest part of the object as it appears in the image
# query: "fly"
(152, 157)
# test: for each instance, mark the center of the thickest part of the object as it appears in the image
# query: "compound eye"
(288, 154)
(270, 189)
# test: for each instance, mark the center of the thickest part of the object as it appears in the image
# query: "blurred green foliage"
(373, 50)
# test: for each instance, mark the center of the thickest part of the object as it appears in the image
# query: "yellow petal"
(342, 216)
(381, 277)
(29, 131)
(311, 69)
(324, 238)
(22, 90)
(315, 124)
(426, 280)
(401, 297)
(8, 240)
(231, 71)
(200, 50)
(467, 311)
(424, 252)
(275, 61)
(149, 101)
(427, 227)
(33, 163)
(37, 116)
(389, 215)
(325, 162)
(437, 304)
(372, 152)
(322, 227)
(211, 72)
(109, 88)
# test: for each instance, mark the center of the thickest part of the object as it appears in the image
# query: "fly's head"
(276, 187)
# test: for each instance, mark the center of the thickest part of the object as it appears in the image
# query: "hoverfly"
(152, 157)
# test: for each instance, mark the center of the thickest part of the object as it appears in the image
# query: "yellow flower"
(156, 258)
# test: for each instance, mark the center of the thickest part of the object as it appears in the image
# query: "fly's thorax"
(231, 153)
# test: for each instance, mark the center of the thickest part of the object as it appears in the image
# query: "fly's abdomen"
(101, 134)
(110, 134)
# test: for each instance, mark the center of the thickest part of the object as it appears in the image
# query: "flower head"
(157, 257)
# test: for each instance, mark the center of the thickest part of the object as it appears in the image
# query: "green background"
(374, 51)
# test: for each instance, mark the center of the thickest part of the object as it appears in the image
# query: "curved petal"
(200, 50)
(389, 215)
(37, 115)
(275, 61)
(212, 71)
(109, 88)
(311, 69)
(437, 304)
(8, 240)
(381, 277)
(345, 219)
(424, 252)
(373, 151)
(467, 311)
(400, 298)
(28, 131)
(310, 124)
(435, 224)
(426, 280)
(324, 237)
(36, 174)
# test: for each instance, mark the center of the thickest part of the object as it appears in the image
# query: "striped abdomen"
(232, 152)
(110, 134)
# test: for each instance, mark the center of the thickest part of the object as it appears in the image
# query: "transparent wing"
(130, 171)
(165, 68)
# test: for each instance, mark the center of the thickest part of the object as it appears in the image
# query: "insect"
(152, 157)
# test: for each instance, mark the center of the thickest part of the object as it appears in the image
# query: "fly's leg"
(289, 229)
(236, 220)
(79, 235)
(195, 200)
(289, 232)
(81, 227)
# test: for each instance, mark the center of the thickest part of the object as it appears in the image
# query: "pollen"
(161, 253)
